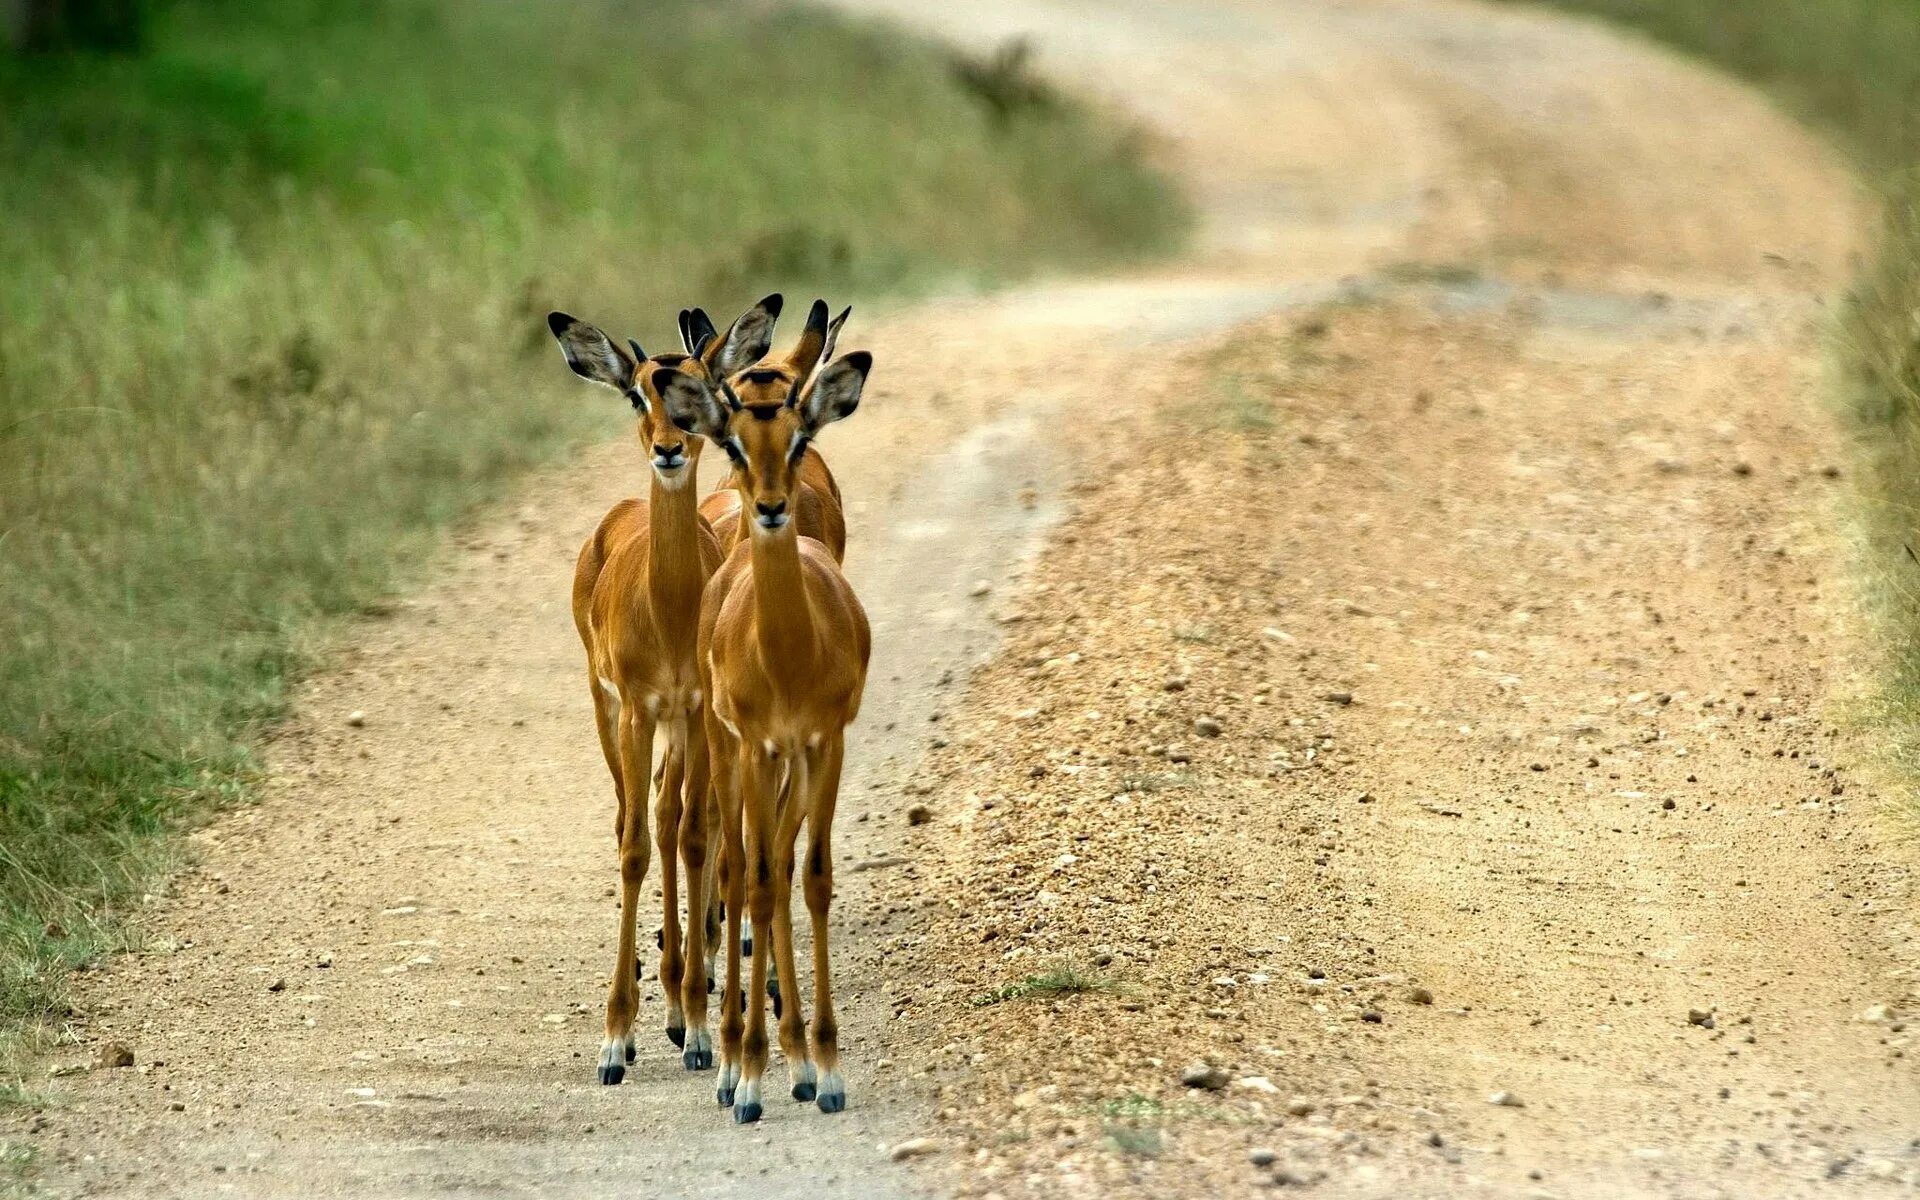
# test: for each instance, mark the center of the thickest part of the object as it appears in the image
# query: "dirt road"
(1426, 691)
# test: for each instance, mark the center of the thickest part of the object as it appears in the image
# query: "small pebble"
(114, 1054)
(913, 1148)
(1203, 1075)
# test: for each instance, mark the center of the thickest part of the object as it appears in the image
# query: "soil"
(1415, 669)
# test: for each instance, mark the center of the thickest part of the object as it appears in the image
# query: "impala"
(783, 645)
(818, 512)
(636, 602)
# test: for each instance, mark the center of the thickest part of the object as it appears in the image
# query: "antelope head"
(595, 357)
(764, 417)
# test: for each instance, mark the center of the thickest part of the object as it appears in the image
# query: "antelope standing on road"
(817, 510)
(784, 644)
(636, 603)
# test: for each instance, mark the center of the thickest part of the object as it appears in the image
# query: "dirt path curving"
(1531, 466)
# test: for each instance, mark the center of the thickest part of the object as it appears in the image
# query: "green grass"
(1136, 1124)
(1062, 980)
(273, 294)
(1852, 69)
(16, 1168)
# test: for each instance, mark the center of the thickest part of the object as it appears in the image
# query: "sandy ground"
(1425, 691)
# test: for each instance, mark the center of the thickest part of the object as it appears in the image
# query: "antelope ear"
(746, 342)
(592, 354)
(700, 331)
(690, 404)
(836, 391)
(833, 333)
(686, 339)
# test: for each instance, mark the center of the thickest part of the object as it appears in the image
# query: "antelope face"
(672, 450)
(765, 441)
(763, 419)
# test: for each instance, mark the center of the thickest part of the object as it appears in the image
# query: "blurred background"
(273, 278)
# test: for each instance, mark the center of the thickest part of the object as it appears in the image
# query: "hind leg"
(623, 994)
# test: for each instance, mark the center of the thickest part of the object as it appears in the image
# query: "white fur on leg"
(805, 1079)
(613, 1059)
(698, 1054)
(746, 1102)
(833, 1092)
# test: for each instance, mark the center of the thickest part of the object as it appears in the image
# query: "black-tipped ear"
(833, 333)
(809, 351)
(700, 331)
(836, 390)
(746, 341)
(689, 403)
(591, 354)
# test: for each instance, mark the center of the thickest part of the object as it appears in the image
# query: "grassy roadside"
(272, 295)
(1852, 69)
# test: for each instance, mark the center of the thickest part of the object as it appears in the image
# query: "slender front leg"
(698, 1050)
(793, 1030)
(726, 797)
(819, 889)
(666, 828)
(623, 994)
(757, 781)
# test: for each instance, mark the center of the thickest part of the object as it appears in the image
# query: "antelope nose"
(770, 511)
(666, 453)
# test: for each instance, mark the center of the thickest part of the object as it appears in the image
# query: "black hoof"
(746, 1114)
(833, 1102)
(697, 1060)
(677, 1034)
(711, 985)
(659, 939)
(746, 947)
(630, 1054)
(613, 1074)
(803, 1092)
(723, 1096)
